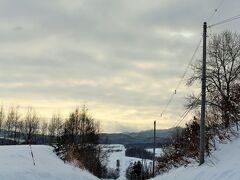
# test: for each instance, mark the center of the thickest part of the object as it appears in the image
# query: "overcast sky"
(122, 58)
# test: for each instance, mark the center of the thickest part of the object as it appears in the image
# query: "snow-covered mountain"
(142, 137)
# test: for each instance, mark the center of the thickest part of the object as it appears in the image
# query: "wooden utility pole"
(203, 102)
(154, 146)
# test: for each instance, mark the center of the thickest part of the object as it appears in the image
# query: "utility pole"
(203, 102)
(154, 146)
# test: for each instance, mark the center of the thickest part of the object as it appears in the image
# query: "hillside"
(143, 137)
(222, 165)
(16, 164)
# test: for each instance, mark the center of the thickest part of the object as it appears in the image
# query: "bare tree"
(31, 124)
(16, 123)
(21, 130)
(52, 127)
(223, 75)
(58, 121)
(55, 127)
(44, 128)
(2, 117)
(9, 124)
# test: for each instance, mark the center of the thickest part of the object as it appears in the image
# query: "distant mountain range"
(145, 138)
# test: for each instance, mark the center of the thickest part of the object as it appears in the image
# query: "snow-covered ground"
(118, 153)
(223, 165)
(16, 164)
(158, 151)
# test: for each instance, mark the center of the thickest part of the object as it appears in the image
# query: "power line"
(187, 111)
(195, 51)
(182, 117)
(225, 21)
(189, 63)
(215, 11)
(185, 72)
(182, 77)
(218, 23)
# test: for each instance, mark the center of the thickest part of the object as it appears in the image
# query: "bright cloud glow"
(121, 58)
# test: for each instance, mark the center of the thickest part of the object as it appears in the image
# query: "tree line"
(75, 139)
(28, 127)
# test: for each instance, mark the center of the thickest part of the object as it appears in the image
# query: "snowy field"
(158, 151)
(223, 165)
(118, 153)
(16, 164)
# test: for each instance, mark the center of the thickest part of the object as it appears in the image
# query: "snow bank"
(16, 164)
(224, 164)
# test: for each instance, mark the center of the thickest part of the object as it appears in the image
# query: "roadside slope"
(16, 164)
(222, 165)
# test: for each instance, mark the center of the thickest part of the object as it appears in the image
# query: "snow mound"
(222, 165)
(16, 164)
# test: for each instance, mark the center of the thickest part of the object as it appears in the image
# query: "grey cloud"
(100, 50)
